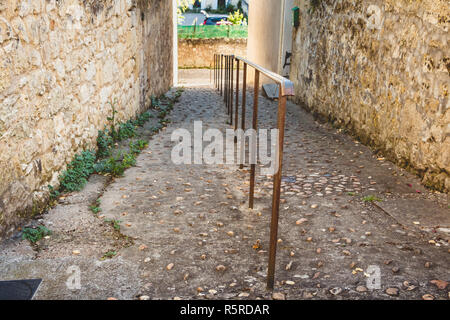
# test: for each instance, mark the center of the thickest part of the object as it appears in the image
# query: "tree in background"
(237, 18)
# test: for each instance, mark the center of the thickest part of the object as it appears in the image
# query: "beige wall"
(270, 34)
(199, 53)
(264, 26)
(61, 62)
(381, 69)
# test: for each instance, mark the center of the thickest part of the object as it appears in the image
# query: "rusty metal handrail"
(223, 80)
(287, 86)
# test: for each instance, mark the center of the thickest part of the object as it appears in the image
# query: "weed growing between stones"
(95, 208)
(115, 223)
(371, 198)
(35, 234)
(109, 255)
(78, 171)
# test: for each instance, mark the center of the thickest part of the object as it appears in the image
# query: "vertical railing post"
(254, 127)
(236, 114)
(276, 191)
(221, 74)
(231, 88)
(226, 83)
(244, 101)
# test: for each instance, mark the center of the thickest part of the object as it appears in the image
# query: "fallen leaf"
(221, 268)
(170, 266)
(392, 291)
(441, 284)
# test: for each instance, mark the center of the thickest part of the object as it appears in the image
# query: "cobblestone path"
(186, 230)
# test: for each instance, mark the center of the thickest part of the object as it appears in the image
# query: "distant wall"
(60, 64)
(199, 53)
(381, 68)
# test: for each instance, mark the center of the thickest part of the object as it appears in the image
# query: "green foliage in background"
(237, 18)
(208, 32)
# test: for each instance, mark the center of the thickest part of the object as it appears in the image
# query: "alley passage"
(186, 230)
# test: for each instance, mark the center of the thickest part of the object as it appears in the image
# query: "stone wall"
(381, 69)
(60, 64)
(199, 53)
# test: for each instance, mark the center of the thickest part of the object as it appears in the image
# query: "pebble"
(428, 297)
(336, 291)
(278, 296)
(243, 294)
(144, 298)
(361, 289)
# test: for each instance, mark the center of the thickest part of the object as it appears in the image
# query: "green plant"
(129, 160)
(35, 234)
(155, 102)
(141, 119)
(126, 130)
(95, 208)
(111, 165)
(104, 144)
(114, 165)
(115, 223)
(137, 146)
(54, 194)
(237, 18)
(112, 118)
(78, 171)
(371, 198)
(109, 254)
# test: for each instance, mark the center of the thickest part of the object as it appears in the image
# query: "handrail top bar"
(286, 85)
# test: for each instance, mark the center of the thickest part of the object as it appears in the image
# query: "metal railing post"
(226, 82)
(236, 114)
(254, 127)
(231, 88)
(276, 191)
(244, 101)
(221, 74)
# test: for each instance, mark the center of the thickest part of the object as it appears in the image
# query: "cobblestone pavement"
(186, 230)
